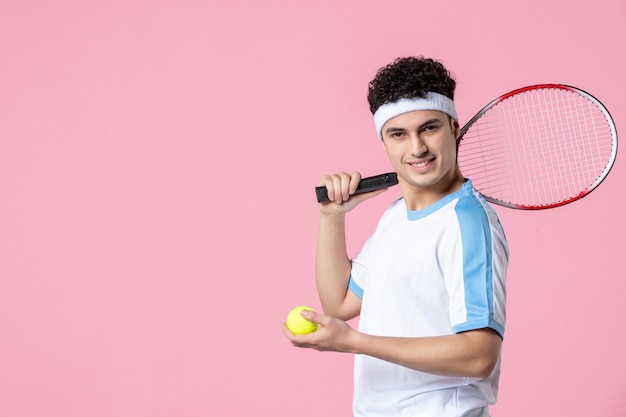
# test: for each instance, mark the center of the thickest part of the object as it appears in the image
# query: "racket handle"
(365, 186)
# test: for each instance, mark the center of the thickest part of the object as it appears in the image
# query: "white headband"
(432, 101)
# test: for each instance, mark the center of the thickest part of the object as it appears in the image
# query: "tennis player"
(429, 283)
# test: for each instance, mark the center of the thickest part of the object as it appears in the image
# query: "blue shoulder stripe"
(477, 263)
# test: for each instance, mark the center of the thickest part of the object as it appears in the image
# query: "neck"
(418, 198)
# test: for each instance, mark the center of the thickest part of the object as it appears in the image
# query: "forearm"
(470, 354)
(332, 265)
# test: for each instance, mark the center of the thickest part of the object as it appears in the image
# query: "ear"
(456, 129)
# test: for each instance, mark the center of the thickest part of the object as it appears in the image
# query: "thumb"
(311, 315)
(371, 194)
(356, 199)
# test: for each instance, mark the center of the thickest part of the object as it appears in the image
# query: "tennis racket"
(538, 147)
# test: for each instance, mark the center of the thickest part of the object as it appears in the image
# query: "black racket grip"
(365, 186)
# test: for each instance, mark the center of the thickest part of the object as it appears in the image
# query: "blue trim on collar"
(420, 214)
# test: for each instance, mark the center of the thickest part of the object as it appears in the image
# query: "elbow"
(485, 367)
(485, 362)
(338, 313)
(344, 309)
(483, 353)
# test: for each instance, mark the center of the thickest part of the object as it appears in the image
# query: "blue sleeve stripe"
(481, 324)
(353, 286)
(477, 263)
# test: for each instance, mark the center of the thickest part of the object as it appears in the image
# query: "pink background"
(157, 213)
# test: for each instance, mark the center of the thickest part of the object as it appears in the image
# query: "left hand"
(332, 334)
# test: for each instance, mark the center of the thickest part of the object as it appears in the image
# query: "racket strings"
(537, 148)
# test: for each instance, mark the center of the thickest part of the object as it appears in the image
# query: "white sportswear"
(431, 272)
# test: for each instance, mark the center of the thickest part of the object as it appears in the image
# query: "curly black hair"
(409, 77)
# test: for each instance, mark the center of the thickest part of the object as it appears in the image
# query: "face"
(421, 146)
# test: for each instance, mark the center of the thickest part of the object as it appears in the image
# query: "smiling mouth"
(420, 164)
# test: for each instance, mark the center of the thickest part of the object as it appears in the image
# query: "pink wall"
(157, 213)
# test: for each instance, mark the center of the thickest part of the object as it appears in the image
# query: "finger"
(355, 179)
(298, 340)
(295, 339)
(340, 187)
(341, 183)
(371, 194)
(333, 186)
(327, 181)
(286, 331)
(346, 184)
(337, 186)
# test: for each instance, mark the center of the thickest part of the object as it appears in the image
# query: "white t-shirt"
(431, 272)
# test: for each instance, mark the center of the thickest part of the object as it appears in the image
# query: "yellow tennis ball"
(298, 324)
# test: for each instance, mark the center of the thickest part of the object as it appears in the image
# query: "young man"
(429, 284)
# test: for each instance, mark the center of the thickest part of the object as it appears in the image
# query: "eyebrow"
(392, 129)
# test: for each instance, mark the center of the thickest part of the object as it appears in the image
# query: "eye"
(396, 134)
(430, 128)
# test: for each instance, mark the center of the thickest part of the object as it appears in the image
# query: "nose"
(418, 147)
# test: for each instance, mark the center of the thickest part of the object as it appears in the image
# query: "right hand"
(340, 188)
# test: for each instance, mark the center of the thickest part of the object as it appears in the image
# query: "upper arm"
(349, 309)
